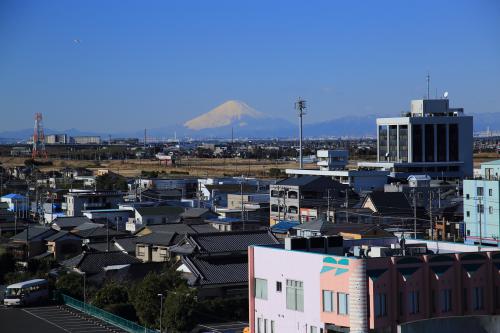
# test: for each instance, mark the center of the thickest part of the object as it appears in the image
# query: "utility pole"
(279, 205)
(414, 214)
(346, 206)
(107, 235)
(430, 215)
(480, 209)
(300, 106)
(161, 308)
(242, 212)
(328, 207)
(428, 85)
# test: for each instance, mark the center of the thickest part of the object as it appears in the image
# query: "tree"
(112, 293)
(179, 309)
(145, 295)
(71, 284)
(7, 265)
(111, 181)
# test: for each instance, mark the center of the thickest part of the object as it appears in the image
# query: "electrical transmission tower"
(38, 138)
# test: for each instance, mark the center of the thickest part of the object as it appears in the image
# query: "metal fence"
(110, 318)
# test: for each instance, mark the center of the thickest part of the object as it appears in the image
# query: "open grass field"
(183, 167)
(190, 166)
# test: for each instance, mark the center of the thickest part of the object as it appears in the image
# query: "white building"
(86, 140)
(57, 139)
(332, 159)
(432, 139)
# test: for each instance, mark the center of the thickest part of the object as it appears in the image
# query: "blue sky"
(152, 63)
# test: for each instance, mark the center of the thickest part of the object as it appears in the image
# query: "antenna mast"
(428, 86)
(300, 106)
(38, 138)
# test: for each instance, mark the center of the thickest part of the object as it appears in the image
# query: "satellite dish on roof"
(445, 95)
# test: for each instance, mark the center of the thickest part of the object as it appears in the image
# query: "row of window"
(265, 326)
(335, 302)
(291, 209)
(268, 326)
(480, 192)
(339, 302)
(294, 292)
(480, 210)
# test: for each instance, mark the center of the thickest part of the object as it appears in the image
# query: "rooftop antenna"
(428, 85)
(300, 106)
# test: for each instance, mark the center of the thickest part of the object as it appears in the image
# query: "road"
(51, 319)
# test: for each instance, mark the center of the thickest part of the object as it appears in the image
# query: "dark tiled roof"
(318, 182)
(203, 228)
(160, 210)
(195, 213)
(87, 225)
(209, 270)
(70, 222)
(58, 235)
(390, 203)
(127, 244)
(98, 232)
(157, 238)
(94, 262)
(34, 232)
(237, 241)
(180, 228)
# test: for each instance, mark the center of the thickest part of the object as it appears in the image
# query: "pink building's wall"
(251, 287)
(335, 276)
(395, 277)
(279, 265)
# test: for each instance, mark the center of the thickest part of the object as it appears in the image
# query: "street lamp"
(84, 291)
(161, 308)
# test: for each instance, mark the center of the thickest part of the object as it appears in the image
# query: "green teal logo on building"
(331, 264)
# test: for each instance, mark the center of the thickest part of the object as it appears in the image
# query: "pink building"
(304, 287)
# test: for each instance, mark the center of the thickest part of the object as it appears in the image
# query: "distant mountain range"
(239, 119)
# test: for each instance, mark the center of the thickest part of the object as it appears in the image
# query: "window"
(328, 298)
(261, 288)
(413, 302)
(265, 325)
(468, 214)
(478, 298)
(480, 208)
(490, 192)
(313, 329)
(380, 305)
(294, 295)
(272, 326)
(480, 191)
(259, 325)
(467, 196)
(468, 232)
(446, 300)
(490, 209)
(343, 301)
(278, 286)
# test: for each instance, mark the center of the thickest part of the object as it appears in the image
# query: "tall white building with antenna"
(431, 139)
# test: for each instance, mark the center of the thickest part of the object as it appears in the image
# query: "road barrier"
(110, 318)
